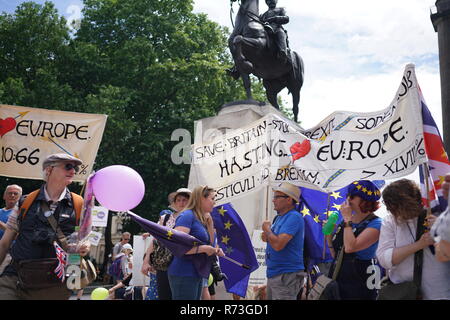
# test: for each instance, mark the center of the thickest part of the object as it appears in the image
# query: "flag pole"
(427, 185)
(236, 262)
(267, 203)
(324, 236)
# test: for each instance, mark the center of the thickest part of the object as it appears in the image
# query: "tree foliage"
(152, 66)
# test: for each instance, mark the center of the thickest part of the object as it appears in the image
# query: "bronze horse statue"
(255, 52)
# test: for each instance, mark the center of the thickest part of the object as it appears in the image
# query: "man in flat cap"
(284, 252)
(41, 224)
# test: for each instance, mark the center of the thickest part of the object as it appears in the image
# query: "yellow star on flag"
(228, 225)
(169, 235)
(316, 219)
(305, 211)
(335, 195)
(225, 239)
(441, 180)
(222, 211)
(337, 206)
(229, 250)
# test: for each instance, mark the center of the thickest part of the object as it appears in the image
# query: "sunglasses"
(276, 197)
(70, 166)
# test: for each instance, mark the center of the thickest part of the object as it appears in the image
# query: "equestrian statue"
(259, 46)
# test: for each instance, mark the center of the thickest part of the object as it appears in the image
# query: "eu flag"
(233, 238)
(316, 206)
(177, 242)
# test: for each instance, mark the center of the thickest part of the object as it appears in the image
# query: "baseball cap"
(127, 246)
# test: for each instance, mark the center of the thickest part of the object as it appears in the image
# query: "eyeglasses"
(12, 193)
(276, 197)
(70, 166)
(127, 239)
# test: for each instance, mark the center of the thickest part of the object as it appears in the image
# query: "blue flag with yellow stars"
(233, 238)
(313, 206)
(316, 206)
(177, 242)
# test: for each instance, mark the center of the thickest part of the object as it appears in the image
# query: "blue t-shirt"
(183, 266)
(4, 214)
(290, 258)
(368, 253)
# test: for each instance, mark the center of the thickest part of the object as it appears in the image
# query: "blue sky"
(354, 51)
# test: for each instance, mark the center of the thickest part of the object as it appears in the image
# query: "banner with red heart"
(300, 150)
(7, 125)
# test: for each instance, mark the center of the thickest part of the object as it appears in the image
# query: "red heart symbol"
(7, 125)
(299, 150)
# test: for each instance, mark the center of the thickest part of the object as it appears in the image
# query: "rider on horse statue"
(272, 20)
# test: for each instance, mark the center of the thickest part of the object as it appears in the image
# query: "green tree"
(152, 66)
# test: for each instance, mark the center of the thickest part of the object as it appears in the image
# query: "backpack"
(161, 257)
(115, 269)
(76, 199)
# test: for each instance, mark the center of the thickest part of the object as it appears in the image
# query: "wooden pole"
(267, 203)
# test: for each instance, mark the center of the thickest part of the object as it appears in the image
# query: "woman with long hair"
(399, 243)
(185, 282)
(358, 237)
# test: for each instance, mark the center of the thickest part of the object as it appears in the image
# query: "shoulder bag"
(161, 257)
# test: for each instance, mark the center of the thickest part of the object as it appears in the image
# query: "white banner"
(29, 135)
(99, 216)
(345, 147)
(140, 246)
(258, 277)
(95, 237)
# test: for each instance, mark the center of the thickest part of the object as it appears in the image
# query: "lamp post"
(440, 17)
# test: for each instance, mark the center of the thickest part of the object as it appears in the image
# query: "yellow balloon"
(99, 294)
(210, 279)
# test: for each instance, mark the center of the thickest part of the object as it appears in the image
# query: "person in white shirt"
(398, 244)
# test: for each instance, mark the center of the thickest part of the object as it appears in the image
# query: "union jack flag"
(438, 163)
(61, 255)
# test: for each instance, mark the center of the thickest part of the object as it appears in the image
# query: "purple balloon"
(118, 188)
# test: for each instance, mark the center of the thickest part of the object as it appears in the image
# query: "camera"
(217, 272)
(42, 237)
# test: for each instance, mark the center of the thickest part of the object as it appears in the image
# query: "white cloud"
(354, 52)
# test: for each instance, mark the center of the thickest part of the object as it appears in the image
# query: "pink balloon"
(118, 188)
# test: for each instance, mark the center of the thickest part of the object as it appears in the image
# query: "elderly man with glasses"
(11, 196)
(117, 249)
(50, 219)
(285, 239)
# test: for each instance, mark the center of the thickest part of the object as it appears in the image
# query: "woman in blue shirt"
(195, 220)
(359, 234)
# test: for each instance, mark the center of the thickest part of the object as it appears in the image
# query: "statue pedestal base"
(232, 116)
